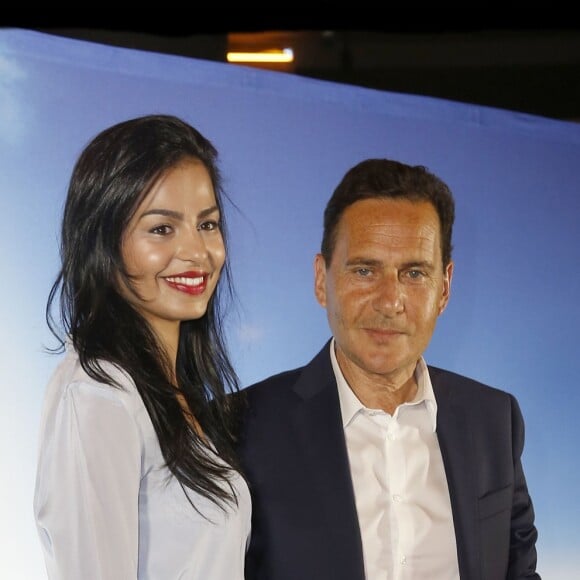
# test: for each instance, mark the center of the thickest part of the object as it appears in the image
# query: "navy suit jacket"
(304, 521)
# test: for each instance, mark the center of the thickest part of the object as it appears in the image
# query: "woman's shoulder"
(73, 391)
(70, 378)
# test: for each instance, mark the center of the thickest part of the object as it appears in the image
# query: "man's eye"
(415, 274)
(363, 272)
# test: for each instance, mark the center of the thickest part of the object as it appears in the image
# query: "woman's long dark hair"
(111, 177)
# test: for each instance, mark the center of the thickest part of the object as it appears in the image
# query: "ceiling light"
(276, 55)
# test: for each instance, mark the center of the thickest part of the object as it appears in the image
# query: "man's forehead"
(395, 222)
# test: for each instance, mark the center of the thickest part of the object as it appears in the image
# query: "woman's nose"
(192, 246)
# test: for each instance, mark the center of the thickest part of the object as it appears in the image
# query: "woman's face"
(173, 249)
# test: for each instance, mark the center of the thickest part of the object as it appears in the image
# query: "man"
(367, 463)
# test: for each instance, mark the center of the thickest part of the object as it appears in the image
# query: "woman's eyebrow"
(163, 212)
(177, 214)
(208, 211)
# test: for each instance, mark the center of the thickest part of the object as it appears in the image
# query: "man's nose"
(389, 296)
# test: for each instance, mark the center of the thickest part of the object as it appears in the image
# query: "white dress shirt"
(107, 507)
(400, 487)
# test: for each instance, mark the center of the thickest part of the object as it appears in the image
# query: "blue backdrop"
(285, 141)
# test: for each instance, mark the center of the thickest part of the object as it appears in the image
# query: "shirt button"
(391, 436)
(403, 560)
(397, 498)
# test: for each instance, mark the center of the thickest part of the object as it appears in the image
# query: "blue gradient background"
(285, 141)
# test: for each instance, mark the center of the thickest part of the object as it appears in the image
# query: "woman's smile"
(193, 283)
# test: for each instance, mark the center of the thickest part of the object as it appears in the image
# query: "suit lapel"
(456, 446)
(318, 426)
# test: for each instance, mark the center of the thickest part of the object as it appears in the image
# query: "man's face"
(384, 288)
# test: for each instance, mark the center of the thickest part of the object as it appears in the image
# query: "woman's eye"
(162, 230)
(209, 225)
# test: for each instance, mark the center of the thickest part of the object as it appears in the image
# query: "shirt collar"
(350, 404)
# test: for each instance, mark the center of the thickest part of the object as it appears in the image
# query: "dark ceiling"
(530, 65)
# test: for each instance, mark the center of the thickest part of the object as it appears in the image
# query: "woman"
(137, 478)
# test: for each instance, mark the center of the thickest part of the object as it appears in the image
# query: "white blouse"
(107, 507)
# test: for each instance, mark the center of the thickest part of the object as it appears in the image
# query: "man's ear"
(446, 293)
(320, 279)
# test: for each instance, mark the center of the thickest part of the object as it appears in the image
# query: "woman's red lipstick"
(192, 283)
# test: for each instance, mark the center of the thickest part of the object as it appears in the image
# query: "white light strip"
(284, 55)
